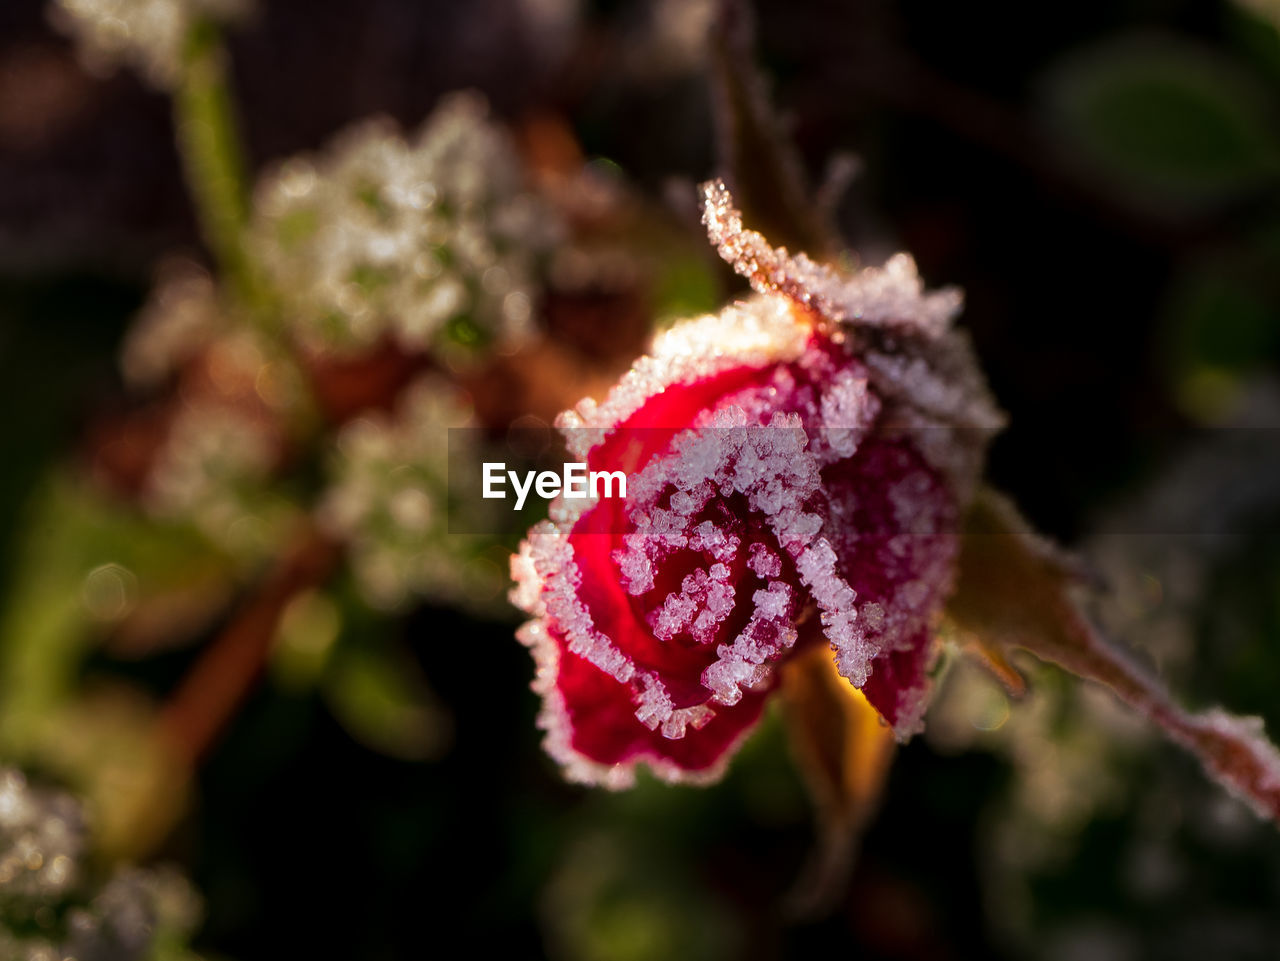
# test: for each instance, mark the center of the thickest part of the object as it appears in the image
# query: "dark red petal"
(899, 684)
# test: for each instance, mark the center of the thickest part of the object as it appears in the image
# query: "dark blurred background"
(1101, 178)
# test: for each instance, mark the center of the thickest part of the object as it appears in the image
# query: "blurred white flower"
(432, 241)
(180, 318)
(389, 502)
(147, 35)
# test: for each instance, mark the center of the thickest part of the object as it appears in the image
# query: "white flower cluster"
(214, 470)
(46, 914)
(223, 440)
(432, 241)
(41, 837)
(147, 35)
(389, 502)
(180, 318)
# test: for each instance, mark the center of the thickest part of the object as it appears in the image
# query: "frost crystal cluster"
(48, 912)
(147, 35)
(432, 241)
(798, 465)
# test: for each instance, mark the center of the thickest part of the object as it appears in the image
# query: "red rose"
(796, 466)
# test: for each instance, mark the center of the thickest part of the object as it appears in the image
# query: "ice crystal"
(147, 35)
(433, 240)
(890, 297)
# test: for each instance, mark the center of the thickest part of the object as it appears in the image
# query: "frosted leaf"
(1014, 590)
(891, 296)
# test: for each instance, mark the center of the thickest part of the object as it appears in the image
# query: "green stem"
(213, 157)
(213, 160)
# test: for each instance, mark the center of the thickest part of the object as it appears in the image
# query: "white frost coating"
(769, 633)
(719, 543)
(891, 296)
(527, 593)
(817, 566)
(848, 410)
(1244, 761)
(654, 709)
(705, 599)
(757, 332)
(764, 562)
(559, 578)
(936, 384)
(775, 472)
(553, 720)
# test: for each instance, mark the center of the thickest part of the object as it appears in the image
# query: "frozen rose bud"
(796, 468)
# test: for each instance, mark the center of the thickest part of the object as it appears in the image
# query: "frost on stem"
(433, 241)
(147, 35)
(783, 492)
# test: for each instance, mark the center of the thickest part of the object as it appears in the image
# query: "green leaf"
(1165, 120)
(81, 561)
(377, 693)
